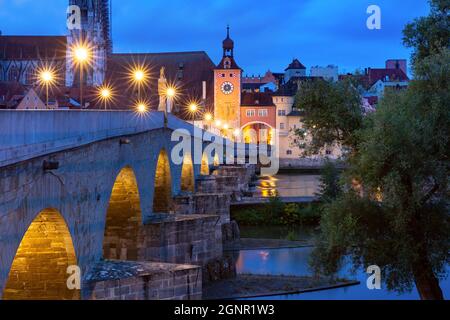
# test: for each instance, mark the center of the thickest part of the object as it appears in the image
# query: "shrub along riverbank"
(277, 213)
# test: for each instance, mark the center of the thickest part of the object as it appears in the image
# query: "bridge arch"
(205, 166)
(187, 174)
(39, 269)
(162, 195)
(123, 218)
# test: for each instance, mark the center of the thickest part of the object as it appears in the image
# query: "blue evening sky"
(267, 34)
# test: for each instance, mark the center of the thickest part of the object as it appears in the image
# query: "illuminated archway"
(39, 269)
(204, 169)
(162, 198)
(187, 174)
(257, 132)
(123, 218)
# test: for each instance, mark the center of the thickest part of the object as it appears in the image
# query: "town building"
(329, 73)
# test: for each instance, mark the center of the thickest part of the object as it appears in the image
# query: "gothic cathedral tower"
(227, 86)
(96, 32)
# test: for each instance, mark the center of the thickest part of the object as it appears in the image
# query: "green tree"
(397, 217)
(330, 187)
(427, 35)
(400, 221)
(333, 114)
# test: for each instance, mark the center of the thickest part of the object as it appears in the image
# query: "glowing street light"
(139, 77)
(218, 123)
(226, 126)
(81, 56)
(105, 94)
(208, 117)
(141, 107)
(193, 108)
(170, 95)
(46, 77)
(171, 92)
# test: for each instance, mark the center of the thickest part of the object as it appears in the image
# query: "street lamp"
(81, 56)
(105, 94)
(141, 107)
(139, 76)
(46, 77)
(193, 108)
(170, 94)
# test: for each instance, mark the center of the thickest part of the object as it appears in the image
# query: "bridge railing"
(28, 134)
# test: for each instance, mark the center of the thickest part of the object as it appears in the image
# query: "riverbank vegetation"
(392, 209)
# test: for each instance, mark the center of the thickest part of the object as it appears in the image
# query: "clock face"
(227, 87)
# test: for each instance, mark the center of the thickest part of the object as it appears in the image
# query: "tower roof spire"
(228, 44)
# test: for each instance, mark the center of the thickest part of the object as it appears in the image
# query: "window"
(13, 74)
(282, 126)
(289, 152)
(329, 152)
(263, 113)
(250, 113)
(281, 113)
(29, 76)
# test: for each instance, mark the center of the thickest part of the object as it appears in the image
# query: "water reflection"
(294, 262)
(288, 185)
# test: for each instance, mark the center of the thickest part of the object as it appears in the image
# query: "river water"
(296, 261)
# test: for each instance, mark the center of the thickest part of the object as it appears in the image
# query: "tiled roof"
(295, 64)
(32, 47)
(9, 91)
(374, 75)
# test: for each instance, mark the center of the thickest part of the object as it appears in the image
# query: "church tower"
(227, 86)
(95, 31)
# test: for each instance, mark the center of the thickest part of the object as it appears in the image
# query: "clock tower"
(227, 86)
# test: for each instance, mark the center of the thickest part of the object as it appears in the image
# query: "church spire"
(228, 45)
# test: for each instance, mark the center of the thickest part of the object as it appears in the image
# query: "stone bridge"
(98, 192)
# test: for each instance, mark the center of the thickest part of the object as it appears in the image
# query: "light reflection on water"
(288, 185)
(294, 262)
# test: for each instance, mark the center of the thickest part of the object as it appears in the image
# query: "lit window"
(250, 113)
(262, 113)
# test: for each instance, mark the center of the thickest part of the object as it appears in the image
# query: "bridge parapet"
(28, 134)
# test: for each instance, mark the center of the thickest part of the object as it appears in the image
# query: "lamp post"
(170, 93)
(46, 77)
(139, 77)
(208, 119)
(141, 107)
(105, 94)
(193, 108)
(81, 56)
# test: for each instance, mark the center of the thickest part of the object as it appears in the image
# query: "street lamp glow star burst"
(105, 94)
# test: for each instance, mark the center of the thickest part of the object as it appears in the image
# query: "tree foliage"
(333, 114)
(427, 35)
(399, 217)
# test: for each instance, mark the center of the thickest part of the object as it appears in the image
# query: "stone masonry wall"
(118, 280)
(186, 239)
